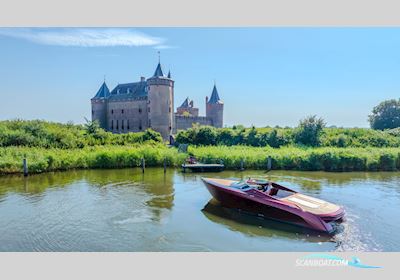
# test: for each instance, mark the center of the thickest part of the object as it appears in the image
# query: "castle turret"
(187, 108)
(99, 105)
(160, 103)
(215, 108)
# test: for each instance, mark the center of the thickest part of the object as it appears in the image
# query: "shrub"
(309, 131)
(66, 136)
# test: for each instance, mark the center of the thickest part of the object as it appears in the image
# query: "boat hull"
(272, 209)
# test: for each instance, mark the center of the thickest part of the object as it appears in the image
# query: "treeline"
(43, 134)
(299, 136)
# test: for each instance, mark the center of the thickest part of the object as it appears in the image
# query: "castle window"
(112, 112)
(128, 90)
(122, 124)
(169, 109)
(127, 125)
(117, 90)
(140, 110)
(148, 109)
(117, 124)
(112, 124)
(122, 111)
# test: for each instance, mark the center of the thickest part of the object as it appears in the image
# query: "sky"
(265, 76)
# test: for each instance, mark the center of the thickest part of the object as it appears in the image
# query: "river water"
(125, 210)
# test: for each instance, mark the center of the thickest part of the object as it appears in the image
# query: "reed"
(308, 159)
(44, 160)
(286, 158)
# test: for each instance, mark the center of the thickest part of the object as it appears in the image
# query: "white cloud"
(84, 37)
(164, 47)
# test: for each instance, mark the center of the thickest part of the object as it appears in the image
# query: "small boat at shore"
(271, 200)
(192, 164)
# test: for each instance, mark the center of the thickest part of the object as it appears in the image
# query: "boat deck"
(311, 204)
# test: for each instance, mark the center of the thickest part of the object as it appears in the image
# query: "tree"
(277, 138)
(252, 138)
(309, 131)
(225, 136)
(150, 134)
(92, 127)
(206, 135)
(385, 115)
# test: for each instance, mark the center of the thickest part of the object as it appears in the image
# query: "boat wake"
(350, 237)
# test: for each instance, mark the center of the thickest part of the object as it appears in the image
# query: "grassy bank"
(310, 159)
(43, 160)
(287, 158)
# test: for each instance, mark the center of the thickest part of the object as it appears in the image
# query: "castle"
(149, 103)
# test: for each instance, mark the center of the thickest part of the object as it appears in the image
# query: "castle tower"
(99, 106)
(215, 108)
(160, 103)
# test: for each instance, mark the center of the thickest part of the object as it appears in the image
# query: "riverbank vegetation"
(286, 158)
(297, 158)
(310, 146)
(106, 156)
(277, 137)
(44, 134)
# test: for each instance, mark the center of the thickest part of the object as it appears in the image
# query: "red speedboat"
(271, 200)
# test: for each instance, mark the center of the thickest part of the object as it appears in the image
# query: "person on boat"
(192, 160)
(273, 190)
(264, 188)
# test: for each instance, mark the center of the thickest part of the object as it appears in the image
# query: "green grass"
(310, 159)
(43, 160)
(285, 158)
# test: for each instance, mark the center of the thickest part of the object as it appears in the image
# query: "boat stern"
(334, 216)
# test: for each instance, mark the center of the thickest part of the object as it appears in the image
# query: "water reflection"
(157, 184)
(256, 226)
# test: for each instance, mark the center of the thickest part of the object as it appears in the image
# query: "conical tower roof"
(185, 103)
(103, 91)
(158, 72)
(214, 96)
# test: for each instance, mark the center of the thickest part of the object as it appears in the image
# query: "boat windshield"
(242, 185)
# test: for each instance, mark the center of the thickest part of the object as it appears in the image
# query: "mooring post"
(143, 165)
(165, 165)
(269, 163)
(241, 165)
(25, 163)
